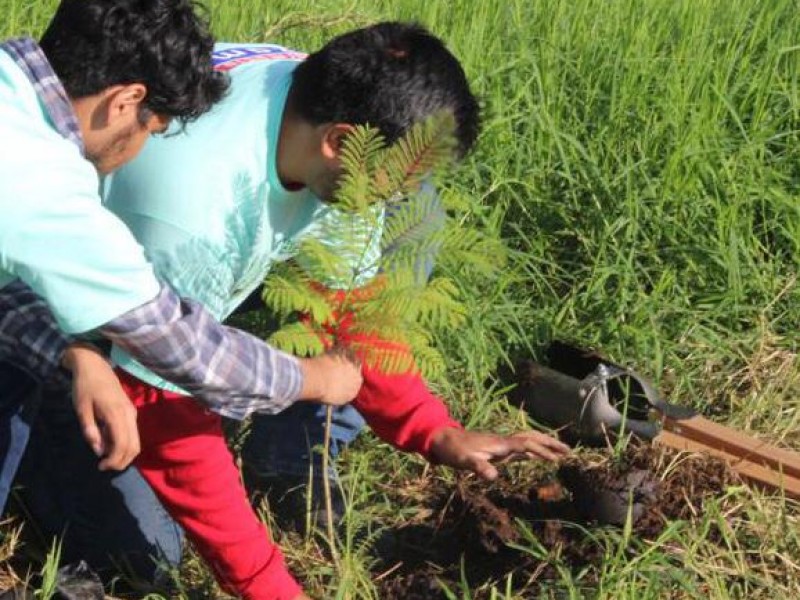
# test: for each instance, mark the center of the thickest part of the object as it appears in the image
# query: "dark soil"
(478, 523)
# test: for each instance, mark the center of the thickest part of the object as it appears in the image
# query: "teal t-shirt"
(208, 205)
(54, 233)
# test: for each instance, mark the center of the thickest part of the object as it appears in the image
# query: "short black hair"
(163, 44)
(390, 76)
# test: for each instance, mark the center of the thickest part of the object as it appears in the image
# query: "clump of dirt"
(657, 485)
(478, 523)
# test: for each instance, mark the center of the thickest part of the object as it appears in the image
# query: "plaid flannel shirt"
(232, 372)
(29, 336)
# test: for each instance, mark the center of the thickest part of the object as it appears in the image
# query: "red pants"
(187, 462)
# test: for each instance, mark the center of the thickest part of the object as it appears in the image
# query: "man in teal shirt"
(85, 101)
(217, 206)
(106, 75)
(223, 215)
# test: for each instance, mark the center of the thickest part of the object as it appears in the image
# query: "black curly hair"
(390, 76)
(163, 44)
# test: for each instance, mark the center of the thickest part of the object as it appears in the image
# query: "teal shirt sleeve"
(56, 236)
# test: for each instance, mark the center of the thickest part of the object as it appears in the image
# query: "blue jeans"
(290, 442)
(110, 519)
(19, 405)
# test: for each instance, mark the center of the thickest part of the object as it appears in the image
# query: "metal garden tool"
(591, 399)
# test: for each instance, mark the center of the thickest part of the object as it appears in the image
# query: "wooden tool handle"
(755, 460)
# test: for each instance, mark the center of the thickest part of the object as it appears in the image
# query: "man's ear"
(124, 102)
(332, 139)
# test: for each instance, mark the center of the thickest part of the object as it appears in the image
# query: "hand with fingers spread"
(474, 451)
(332, 378)
(105, 413)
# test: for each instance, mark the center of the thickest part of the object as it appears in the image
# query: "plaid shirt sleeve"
(30, 337)
(233, 373)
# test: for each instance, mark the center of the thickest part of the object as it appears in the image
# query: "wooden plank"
(736, 443)
(754, 472)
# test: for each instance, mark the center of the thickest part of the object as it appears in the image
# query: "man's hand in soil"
(474, 451)
(333, 378)
(105, 413)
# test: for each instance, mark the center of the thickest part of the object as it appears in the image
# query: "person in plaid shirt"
(106, 75)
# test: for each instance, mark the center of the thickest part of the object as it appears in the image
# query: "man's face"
(124, 144)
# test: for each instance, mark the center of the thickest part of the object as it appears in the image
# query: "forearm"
(30, 337)
(234, 373)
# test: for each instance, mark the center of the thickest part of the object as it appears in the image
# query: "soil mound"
(474, 532)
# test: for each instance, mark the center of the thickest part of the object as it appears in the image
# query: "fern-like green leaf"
(414, 220)
(327, 264)
(438, 306)
(390, 329)
(429, 361)
(356, 189)
(427, 146)
(298, 339)
(391, 361)
(415, 256)
(392, 303)
(343, 249)
(291, 292)
(469, 250)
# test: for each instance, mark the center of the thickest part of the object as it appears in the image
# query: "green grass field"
(642, 160)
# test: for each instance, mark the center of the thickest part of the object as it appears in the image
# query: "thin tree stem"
(327, 484)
